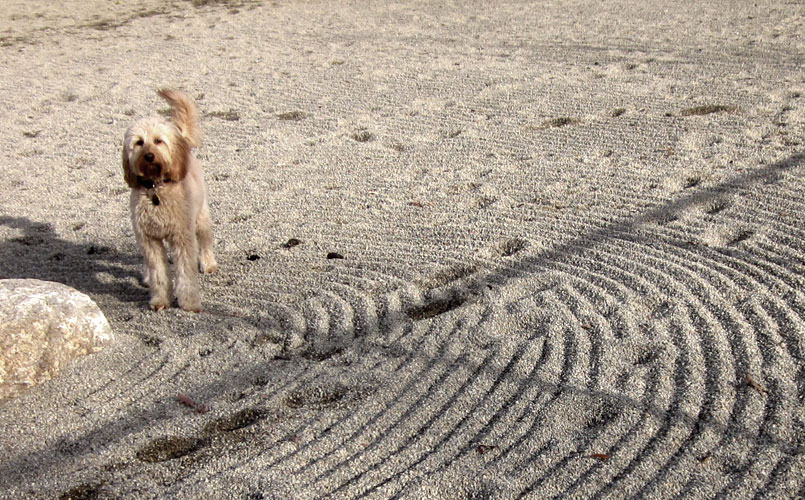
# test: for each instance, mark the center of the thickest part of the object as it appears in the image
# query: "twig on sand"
(754, 385)
(484, 448)
(185, 400)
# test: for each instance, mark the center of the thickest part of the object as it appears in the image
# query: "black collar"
(151, 183)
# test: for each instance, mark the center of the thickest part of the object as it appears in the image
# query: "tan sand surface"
(572, 241)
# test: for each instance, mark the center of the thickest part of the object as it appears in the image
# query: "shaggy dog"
(169, 202)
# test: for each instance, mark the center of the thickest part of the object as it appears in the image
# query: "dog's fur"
(169, 201)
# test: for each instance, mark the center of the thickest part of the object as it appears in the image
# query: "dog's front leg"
(185, 255)
(156, 264)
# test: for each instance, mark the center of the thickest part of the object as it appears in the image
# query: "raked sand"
(566, 249)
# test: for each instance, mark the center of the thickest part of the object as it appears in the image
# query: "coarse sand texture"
(467, 250)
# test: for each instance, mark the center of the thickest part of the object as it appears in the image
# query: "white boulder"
(43, 326)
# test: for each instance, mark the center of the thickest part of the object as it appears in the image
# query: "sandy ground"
(571, 241)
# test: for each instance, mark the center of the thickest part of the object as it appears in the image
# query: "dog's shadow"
(36, 251)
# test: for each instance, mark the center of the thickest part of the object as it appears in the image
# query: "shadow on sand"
(39, 253)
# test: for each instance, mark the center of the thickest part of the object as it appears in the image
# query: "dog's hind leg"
(185, 256)
(205, 241)
(157, 277)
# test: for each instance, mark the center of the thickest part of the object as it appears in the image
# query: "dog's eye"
(139, 142)
(157, 141)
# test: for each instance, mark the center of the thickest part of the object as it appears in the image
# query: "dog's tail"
(184, 115)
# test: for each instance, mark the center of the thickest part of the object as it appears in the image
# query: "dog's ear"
(128, 174)
(180, 159)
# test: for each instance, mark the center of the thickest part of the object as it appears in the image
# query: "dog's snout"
(149, 157)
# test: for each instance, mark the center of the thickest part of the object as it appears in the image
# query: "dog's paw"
(159, 300)
(207, 264)
(190, 304)
(158, 306)
(191, 308)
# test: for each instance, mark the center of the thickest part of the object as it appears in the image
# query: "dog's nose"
(149, 157)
